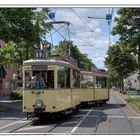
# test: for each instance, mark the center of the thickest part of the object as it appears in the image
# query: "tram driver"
(39, 82)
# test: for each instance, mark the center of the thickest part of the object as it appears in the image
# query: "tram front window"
(39, 79)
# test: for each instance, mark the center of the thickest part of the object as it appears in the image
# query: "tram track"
(98, 120)
(14, 126)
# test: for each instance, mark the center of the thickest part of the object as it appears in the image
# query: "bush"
(135, 103)
(16, 95)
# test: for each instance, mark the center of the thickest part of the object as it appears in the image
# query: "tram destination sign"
(39, 68)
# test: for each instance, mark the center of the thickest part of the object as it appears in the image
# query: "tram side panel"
(75, 97)
(86, 94)
(101, 88)
(101, 94)
(53, 100)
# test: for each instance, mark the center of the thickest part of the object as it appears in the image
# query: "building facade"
(8, 81)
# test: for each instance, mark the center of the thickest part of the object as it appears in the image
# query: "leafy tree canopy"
(83, 61)
(21, 29)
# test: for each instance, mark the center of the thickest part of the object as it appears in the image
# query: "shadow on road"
(11, 110)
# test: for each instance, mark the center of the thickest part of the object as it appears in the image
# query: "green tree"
(128, 29)
(82, 60)
(23, 24)
(21, 29)
(120, 62)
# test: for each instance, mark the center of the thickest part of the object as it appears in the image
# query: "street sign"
(109, 17)
(51, 15)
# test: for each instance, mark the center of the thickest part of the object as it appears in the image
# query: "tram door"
(101, 88)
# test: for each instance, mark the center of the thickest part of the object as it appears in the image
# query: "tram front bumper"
(39, 110)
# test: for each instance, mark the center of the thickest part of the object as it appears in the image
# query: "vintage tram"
(65, 88)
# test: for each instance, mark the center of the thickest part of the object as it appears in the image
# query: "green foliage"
(120, 63)
(16, 95)
(120, 60)
(83, 61)
(22, 24)
(135, 103)
(128, 29)
(21, 29)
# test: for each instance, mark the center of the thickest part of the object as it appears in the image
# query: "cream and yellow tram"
(64, 87)
(61, 90)
(94, 87)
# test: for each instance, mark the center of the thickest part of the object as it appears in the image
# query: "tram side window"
(63, 77)
(76, 79)
(27, 79)
(101, 82)
(86, 81)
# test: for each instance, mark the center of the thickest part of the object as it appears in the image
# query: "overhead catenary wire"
(78, 37)
(85, 22)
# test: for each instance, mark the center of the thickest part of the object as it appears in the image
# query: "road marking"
(113, 117)
(19, 121)
(78, 116)
(10, 118)
(32, 127)
(92, 116)
(75, 128)
(134, 117)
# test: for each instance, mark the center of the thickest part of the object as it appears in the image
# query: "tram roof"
(92, 73)
(86, 72)
(49, 62)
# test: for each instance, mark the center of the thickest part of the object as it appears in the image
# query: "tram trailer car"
(94, 88)
(65, 87)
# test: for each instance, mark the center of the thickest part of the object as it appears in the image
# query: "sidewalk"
(9, 105)
(129, 94)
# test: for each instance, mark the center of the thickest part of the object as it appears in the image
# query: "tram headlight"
(39, 103)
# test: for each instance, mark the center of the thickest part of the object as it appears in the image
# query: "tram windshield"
(101, 82)
(39, 79)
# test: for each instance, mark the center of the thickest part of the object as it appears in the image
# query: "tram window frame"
(29, 74)
(101, 82)
(76, 79)
(63, 77)
(47, 77)
(27, 79)
(85, 81)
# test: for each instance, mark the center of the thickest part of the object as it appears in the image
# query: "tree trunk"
(139, 64)
(27, 50)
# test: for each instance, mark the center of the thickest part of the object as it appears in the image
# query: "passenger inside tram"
(39, 82)
(39, 79)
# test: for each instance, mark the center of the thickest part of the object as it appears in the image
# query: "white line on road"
(134, 117)
(19, 121)
(32, 128)
(75, 128)
(113, 117)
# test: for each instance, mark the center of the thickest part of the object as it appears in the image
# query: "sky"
(90, 35)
